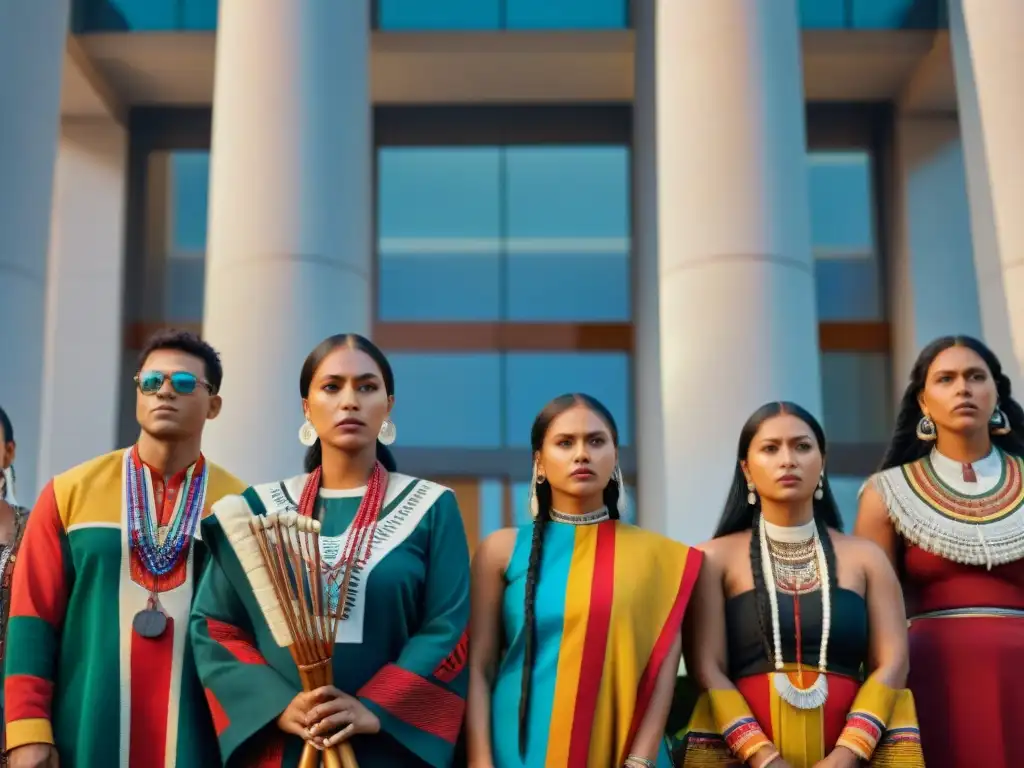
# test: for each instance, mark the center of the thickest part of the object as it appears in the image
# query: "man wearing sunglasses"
(98, 669)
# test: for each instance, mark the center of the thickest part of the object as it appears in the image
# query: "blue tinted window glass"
(566, 14)
(532, 379)
(199, 14)
(447, 400)
(184, 287)
(439, 228)
(492, 502)
(846, 490)
(848, 289)
(568, 234)
(856, 393)
(139, 15)
(439, 14)
(884, 14)
(822, 14)
(190, 181)
(842, 218)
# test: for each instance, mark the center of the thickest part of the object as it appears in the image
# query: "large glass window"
(145, 15)
(464, 232)
(501, 14)
(872, 14)
(185, 268)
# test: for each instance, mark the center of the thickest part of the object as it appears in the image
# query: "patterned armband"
(866, 722)
(737, 724)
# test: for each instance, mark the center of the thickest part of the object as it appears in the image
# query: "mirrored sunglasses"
(182, 382)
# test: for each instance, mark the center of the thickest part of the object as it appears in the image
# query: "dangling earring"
(538, 479)
(819, 492)
(751, 496)
(999, 424)
(623, 503)
(926, 429)
(307, 434)
(388, 432)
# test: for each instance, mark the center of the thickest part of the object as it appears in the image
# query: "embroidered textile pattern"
(982, 529)
(589, 518)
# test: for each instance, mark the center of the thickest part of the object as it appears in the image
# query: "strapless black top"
(847, 643)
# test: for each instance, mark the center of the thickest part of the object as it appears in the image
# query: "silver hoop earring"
(999, 424)
(819, 492)
(307, 434)
(751, 496)
(926, 429)
(388, 432)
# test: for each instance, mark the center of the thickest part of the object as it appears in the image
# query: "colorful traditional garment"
(609, 602)
(401, 644)
(805, 697)
(77, 675)
(962, 568)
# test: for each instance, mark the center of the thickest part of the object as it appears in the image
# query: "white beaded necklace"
(815, 696)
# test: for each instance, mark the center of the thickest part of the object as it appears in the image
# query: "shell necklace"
(817, 694)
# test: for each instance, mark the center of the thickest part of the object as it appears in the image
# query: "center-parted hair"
(538, 432)
(739, 515)
(314, 454)
(905, 447)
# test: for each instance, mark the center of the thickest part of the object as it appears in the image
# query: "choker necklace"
(588, 518)
(804, 538)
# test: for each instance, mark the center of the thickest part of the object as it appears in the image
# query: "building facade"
(683, 207)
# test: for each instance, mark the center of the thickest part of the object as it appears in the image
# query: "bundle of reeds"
(284, 570)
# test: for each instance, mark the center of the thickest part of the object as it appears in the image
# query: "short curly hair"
(190, 344)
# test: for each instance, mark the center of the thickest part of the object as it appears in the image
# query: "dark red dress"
(967, 670)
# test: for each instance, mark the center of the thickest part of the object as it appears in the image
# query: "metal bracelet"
(635, 761)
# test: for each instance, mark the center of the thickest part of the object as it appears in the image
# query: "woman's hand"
(293, 719)
(840, 757)
(337, 711)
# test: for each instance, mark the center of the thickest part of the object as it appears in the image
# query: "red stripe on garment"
(221, 721)
(595, 645)
(27, 697)
(757, 692)
(150, 697)
(673, 626)
(417, 701)
(236, 642)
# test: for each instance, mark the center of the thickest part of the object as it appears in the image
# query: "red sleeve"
(39, 598)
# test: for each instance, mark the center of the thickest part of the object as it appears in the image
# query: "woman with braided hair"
(395, 571)
(798, 632)
(575, 619)
(947, 509)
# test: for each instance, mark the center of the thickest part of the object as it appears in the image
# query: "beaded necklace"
(159, 552)
(817, 694)
(359, 544)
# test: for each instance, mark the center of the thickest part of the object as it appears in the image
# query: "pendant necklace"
(159, 547)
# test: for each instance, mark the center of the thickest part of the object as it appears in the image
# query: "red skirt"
(967, 677)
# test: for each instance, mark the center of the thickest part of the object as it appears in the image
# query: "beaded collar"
(928, 508)
(588, 518)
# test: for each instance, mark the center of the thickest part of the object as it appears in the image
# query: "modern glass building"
(683, 207)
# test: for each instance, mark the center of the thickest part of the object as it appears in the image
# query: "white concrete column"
(32, 39)
(931, 258)
(649, 433)
(738, 321)
(85, 294)
(988, 61)
(291, 214)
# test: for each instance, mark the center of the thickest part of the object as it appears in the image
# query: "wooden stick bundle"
(290, 591)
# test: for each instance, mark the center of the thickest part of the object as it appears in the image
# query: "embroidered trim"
(981, 529)
(744, 738)
(861, 734)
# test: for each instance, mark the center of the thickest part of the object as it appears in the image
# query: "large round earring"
(388, 432)
(622, 505)
(926, 429)
(819, 492)
(307, 434)
(999, 424)
(537, 479)
(751, 496)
